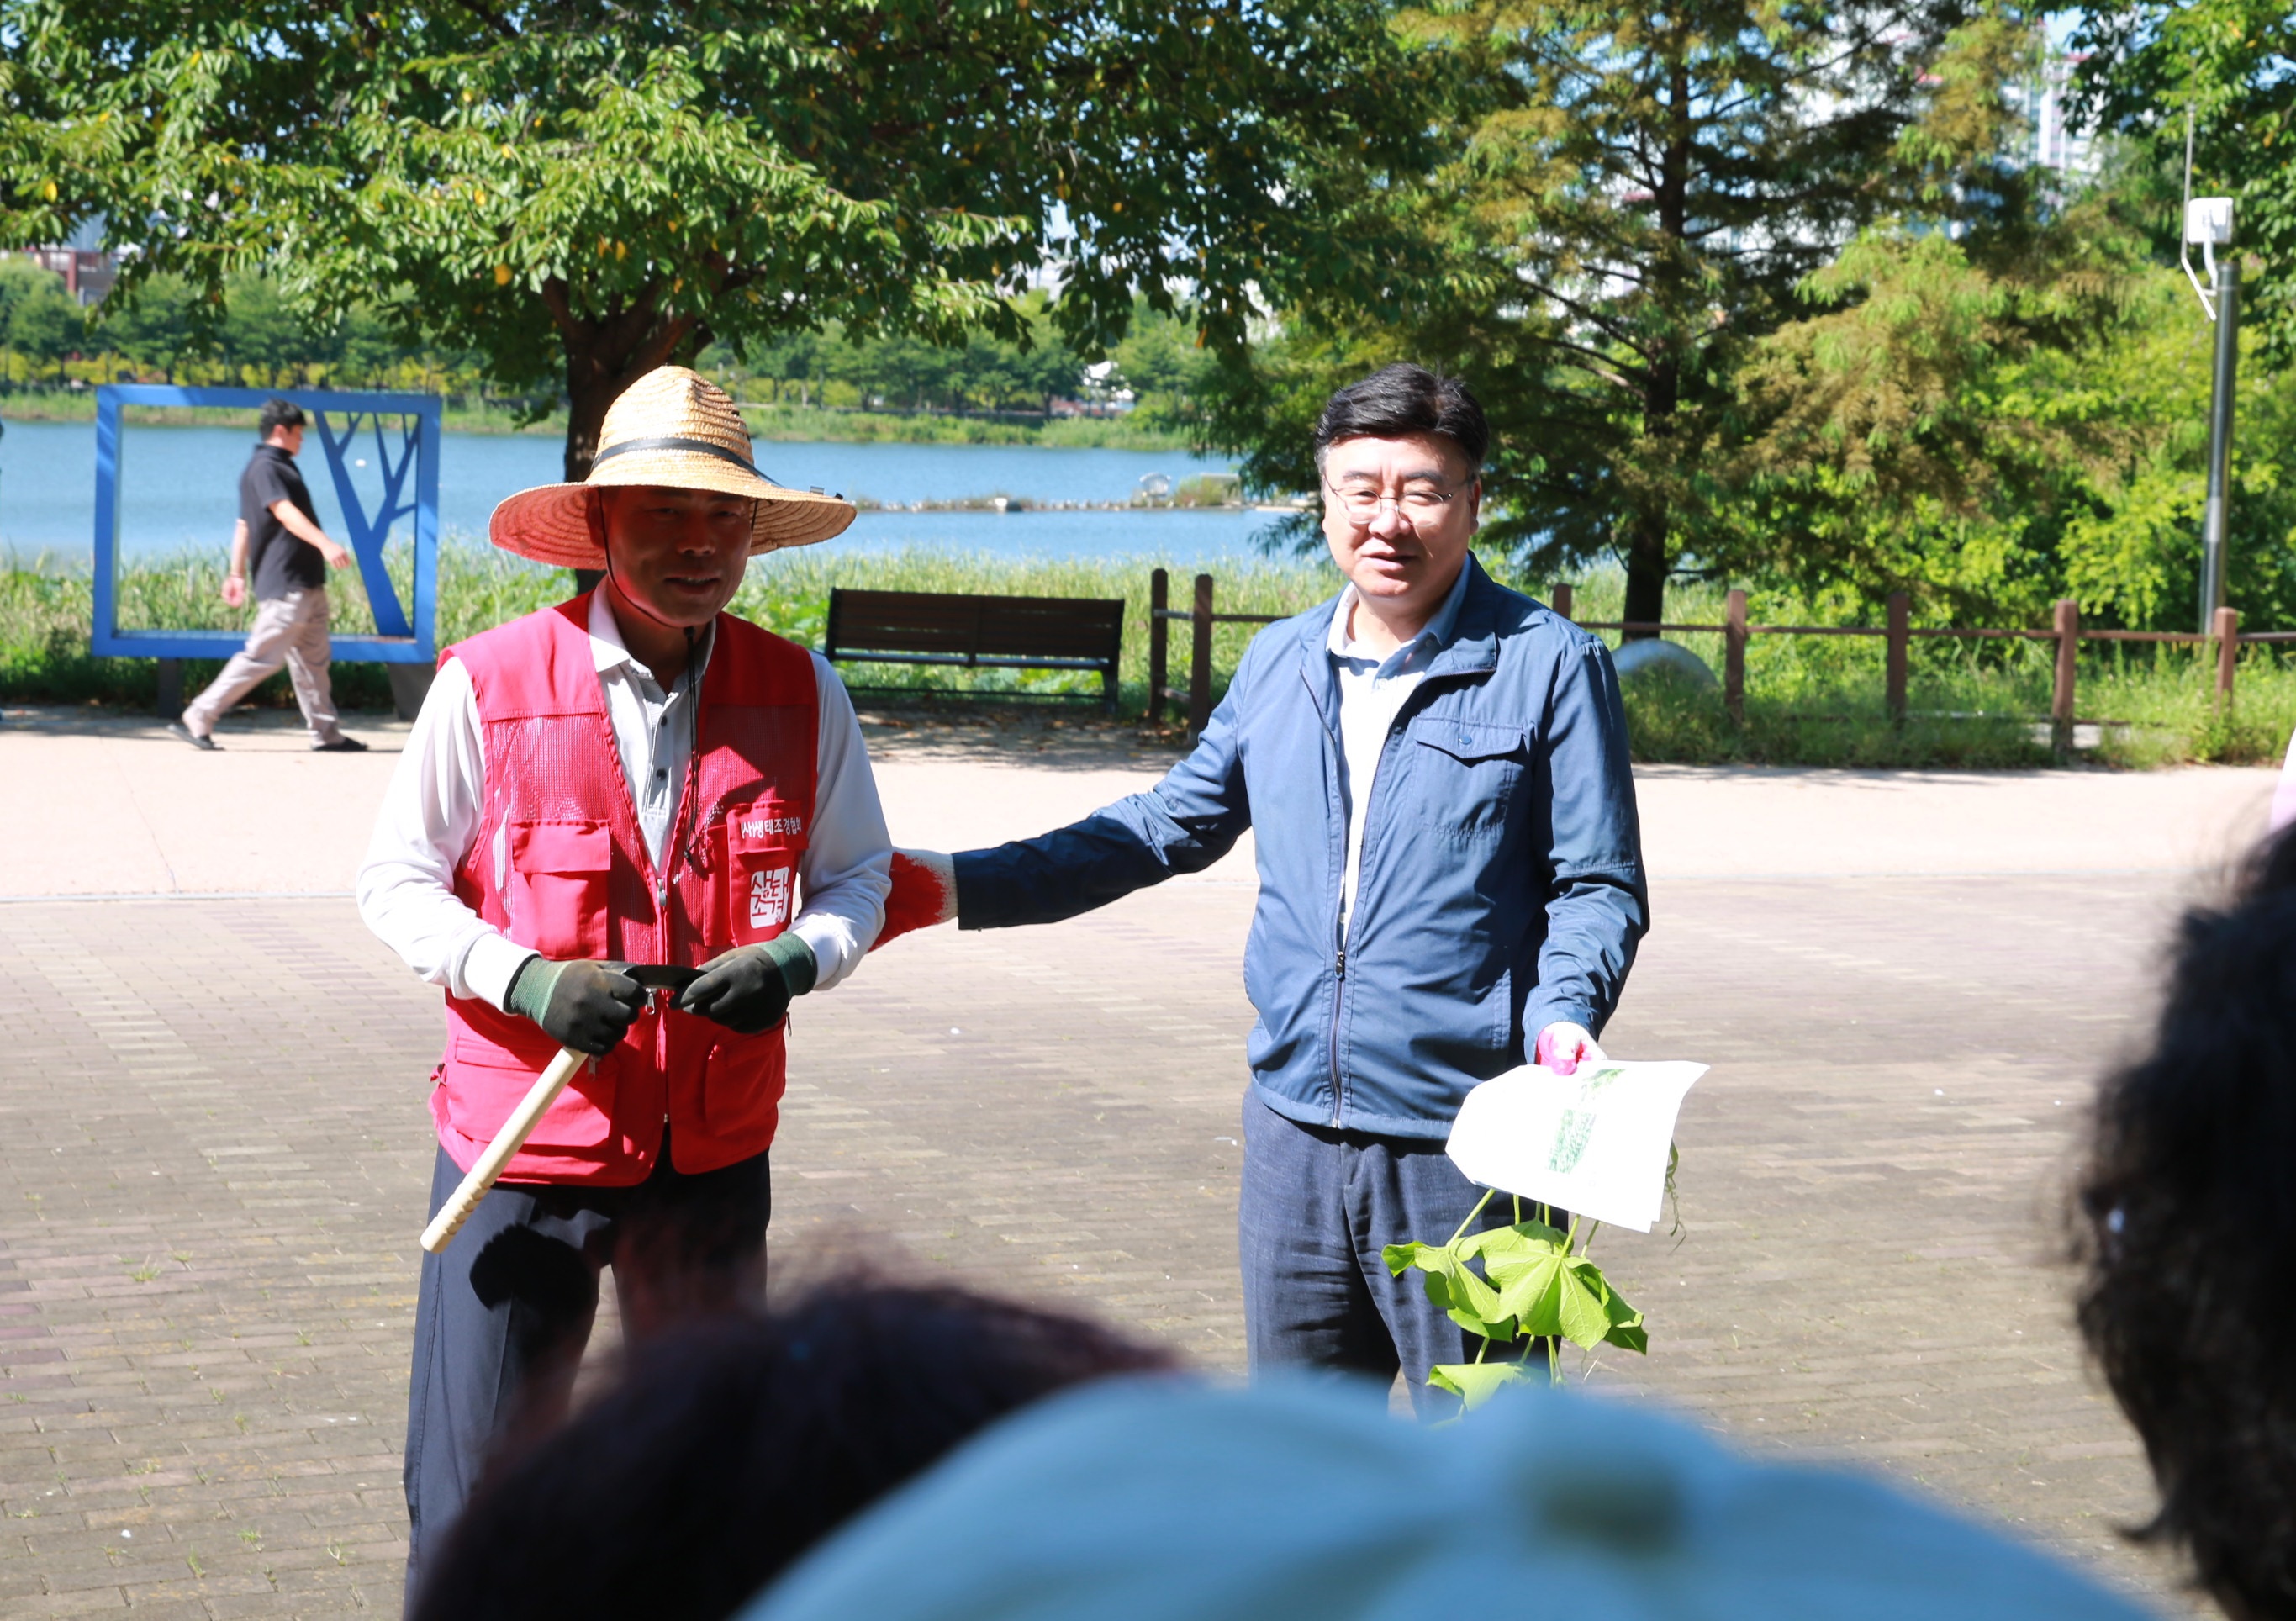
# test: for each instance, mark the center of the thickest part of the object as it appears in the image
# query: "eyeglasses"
(1421, 503)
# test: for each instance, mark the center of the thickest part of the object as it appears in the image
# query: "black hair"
(1405, 399)
(2184, 1227)
(724, 1451)
(278, 414)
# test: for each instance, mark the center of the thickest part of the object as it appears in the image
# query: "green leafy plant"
(1536, 1285)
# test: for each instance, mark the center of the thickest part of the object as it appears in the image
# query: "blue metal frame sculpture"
(401, 636)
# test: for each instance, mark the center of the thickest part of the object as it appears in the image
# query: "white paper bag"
(1595, 1143)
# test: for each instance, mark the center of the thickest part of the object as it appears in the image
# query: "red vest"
(576, 881)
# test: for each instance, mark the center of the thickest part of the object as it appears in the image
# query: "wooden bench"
(1015, 632)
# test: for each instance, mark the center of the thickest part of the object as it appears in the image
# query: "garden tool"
(539, 1097)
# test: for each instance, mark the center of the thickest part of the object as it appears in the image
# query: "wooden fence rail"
(1899, 633)
(1199, 618)
(2065, 631)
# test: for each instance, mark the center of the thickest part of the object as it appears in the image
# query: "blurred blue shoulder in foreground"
(1170, 1501)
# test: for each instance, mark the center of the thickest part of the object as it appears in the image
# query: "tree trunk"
(1645, 549)
(604, 357)
(589, 390)
(1647, 528)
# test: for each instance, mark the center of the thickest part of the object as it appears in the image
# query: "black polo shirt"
(277, 561)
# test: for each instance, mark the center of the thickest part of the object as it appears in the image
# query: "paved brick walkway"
(212, 1163)
(213, 1148)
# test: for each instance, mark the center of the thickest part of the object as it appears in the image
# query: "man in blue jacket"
(1450, 876)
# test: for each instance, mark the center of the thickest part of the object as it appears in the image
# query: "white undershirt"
(1373, 687)
(431, 812)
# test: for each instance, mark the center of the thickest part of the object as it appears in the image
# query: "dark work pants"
(504, 1310)
(1318, 1206)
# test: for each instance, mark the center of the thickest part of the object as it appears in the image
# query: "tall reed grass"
(1811, 700)
(47, 610)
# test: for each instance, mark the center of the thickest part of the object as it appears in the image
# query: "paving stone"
(214, 1155)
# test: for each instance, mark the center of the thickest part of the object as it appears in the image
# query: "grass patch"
(1811, 700)
(813, 424)
(1817, 701)
(45, 613)
(804, 424)
(79, 405)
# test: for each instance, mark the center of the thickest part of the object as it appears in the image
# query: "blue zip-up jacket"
(1501, 888)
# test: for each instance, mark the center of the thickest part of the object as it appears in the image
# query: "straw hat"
(671, 428)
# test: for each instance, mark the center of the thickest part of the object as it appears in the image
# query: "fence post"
(1901, 642)
(170, 704)
(1199, 660)
(1734, 655)
(1561, 602)
(2227, 629)
(1160, 641)
(2060, 698)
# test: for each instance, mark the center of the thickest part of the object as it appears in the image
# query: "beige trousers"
(291, 631)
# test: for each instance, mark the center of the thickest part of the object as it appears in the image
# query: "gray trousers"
(290, 630)
(1318, 1206)
(503, 1313)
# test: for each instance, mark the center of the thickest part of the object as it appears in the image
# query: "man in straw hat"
(634, 776)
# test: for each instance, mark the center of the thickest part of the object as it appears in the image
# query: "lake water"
(179, 490)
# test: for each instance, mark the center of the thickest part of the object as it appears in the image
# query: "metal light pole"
(2208, 223)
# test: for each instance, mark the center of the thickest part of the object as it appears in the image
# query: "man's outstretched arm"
(1183, 824)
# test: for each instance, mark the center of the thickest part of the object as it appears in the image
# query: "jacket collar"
(1471, 646)
(1468, 643)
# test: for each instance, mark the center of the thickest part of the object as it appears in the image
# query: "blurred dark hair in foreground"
(721, 1453)
(2186, 1229)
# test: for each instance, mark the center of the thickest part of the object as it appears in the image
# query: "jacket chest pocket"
(763, 841)
(557, 899)
(1465, 773)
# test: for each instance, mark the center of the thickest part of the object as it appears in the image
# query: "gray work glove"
(587, 1006)
(748, 988)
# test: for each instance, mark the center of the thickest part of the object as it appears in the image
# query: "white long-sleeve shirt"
(431, 817)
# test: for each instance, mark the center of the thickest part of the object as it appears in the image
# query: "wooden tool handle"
(507, 1141)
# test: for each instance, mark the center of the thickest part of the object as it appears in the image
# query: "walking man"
(1450, 876)
(279, 538)
(595, 800)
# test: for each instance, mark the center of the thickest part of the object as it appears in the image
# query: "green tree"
(1633, 195)
(1168, 371)
(1997, 422)
(790, 357)
(580, 190)
(2231, 64)
(362, 345)
(262, 333)
(45, 326)
(158, 326)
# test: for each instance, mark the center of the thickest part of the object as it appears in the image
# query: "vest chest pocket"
(1465, 773)
(763, 843)
(557, 899)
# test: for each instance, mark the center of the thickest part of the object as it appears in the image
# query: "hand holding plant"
(1535, 1283)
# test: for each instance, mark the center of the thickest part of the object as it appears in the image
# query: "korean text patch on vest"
(762, 842)
(557, 896)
